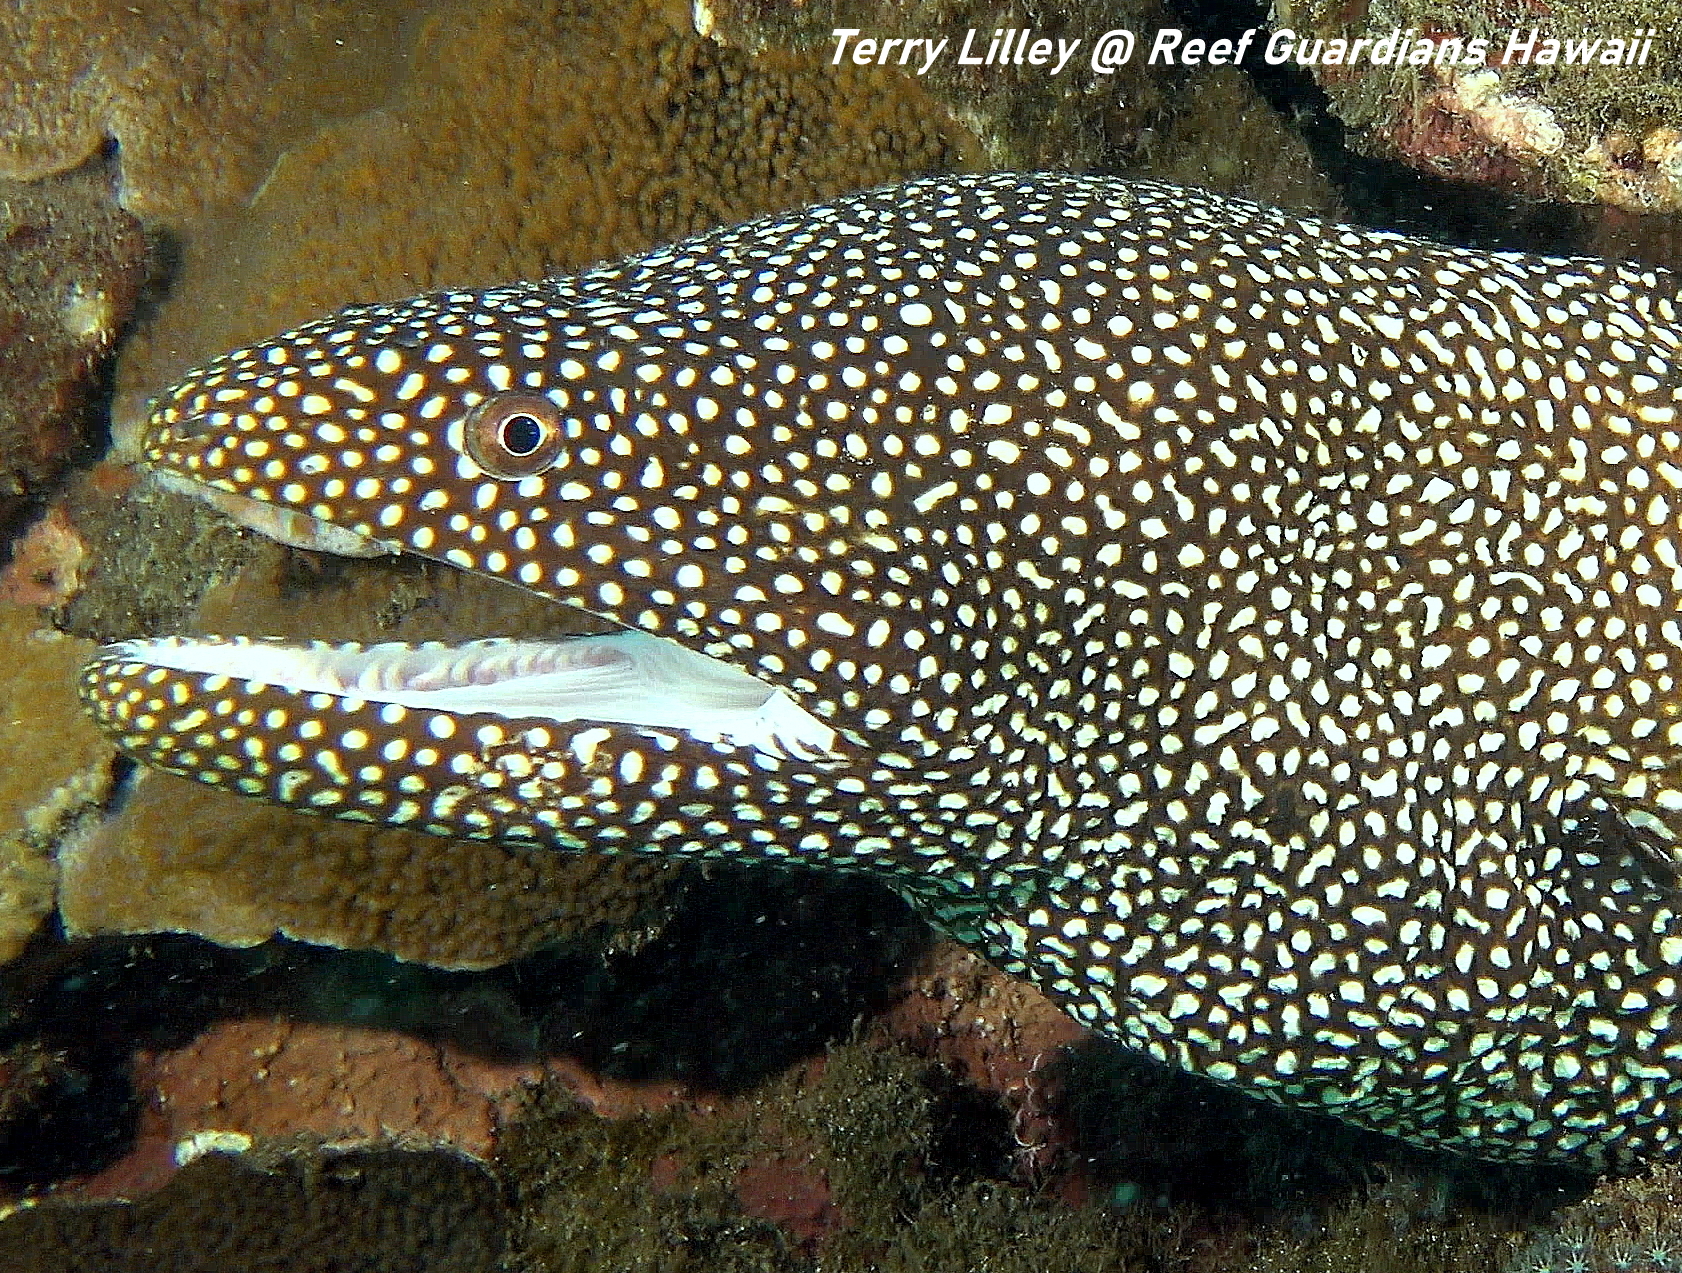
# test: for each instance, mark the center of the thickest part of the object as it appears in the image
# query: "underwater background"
(232, 1037)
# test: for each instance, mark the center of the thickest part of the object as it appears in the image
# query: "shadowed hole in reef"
(970, 1136)
(63, 1113)
(1384, 193)
(757, 969)
(71, 1016)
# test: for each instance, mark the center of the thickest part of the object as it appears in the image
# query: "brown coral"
(533, 139)
(182, 858)
(244, 1081)
(1227, 139)
(1000, 1036)
(194, 95)
(58, 766)
(1026, 116)
(71, 266)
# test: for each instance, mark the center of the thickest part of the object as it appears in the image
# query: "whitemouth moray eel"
(1260, 633)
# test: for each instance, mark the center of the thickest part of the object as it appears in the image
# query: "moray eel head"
(627, 459)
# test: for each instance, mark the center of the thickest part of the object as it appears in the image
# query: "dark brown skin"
(1259, 633)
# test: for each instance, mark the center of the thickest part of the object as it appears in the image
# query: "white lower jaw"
(628, 678)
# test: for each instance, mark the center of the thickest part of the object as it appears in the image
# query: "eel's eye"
(513, 435)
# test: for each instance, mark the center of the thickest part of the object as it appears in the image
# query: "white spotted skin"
(1260, 633)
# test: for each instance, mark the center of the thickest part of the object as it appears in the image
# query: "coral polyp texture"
(610, 129)
(193, 97)
(59, 774)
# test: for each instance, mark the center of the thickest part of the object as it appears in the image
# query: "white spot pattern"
(1259, 632)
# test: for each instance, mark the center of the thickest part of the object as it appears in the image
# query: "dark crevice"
(1381, 193)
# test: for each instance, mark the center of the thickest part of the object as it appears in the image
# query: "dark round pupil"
(521, 434)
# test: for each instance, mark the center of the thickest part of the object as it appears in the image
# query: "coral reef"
(59, 767)
(871, 1160)
(754, 972)
(71, 267)
(344, 1085)
(611, 128)
(1224, 138)
(1206, 127)
(842, 1158)
(177, 857)
(1026, 116)
(1000, 1037)
(311, 1212)
(149, 555)
(1589, 131)
(194, 97)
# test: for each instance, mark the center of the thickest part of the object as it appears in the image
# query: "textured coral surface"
(58, 766)
(71, 266)
(193, 95)
(533, 139)
(181, 858)
(1026, 116)
(1589, 131)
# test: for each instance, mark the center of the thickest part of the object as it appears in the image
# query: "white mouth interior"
(628, 678)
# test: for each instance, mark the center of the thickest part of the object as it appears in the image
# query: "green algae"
(872, 1131)
(308, 1212)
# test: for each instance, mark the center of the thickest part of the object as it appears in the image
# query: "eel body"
(1260, 633)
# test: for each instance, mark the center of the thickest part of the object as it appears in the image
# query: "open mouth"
(624, 678)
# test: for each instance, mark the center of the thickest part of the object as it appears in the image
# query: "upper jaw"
(284, 525)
